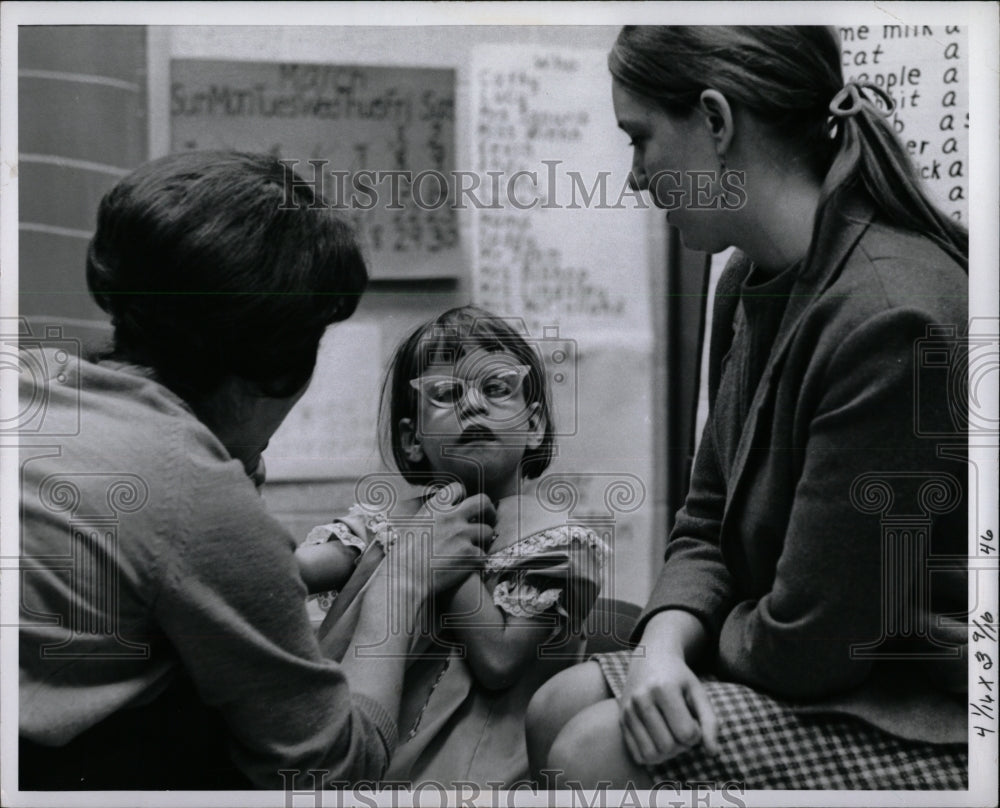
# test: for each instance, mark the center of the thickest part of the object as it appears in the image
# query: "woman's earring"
(722, 173)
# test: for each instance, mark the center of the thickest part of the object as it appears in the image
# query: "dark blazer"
(823, 539)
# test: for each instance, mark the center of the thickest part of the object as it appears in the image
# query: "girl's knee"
(589, 746)
(562, 697)
(555, 703)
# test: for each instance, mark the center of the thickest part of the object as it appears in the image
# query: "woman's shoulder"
(883, 242)
(892, 274)
(907, 268)
(133, 422)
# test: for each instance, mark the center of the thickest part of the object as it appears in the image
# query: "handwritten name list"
(563, 241)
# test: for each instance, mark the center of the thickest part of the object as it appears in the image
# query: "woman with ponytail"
(803, 632)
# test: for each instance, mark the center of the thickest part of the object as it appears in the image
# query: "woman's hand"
(440, 558)
(665, 710)
(435, 552)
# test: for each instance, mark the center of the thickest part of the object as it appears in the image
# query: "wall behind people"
(93, 96)
(608, 386)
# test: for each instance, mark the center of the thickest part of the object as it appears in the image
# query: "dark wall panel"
(81, 126)
(73, 119)
(52, 277)
(53, 195)
(112, 51)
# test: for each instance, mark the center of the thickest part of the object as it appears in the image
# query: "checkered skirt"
(765, 744)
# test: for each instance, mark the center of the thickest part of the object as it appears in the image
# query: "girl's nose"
(473, 400)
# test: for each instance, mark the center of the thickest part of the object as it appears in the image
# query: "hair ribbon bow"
(856, 93)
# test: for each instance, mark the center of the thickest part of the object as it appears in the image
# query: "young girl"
(465, 400)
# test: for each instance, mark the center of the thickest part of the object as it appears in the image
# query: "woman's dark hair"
(787, 76)
(445, 340)
(214, 264)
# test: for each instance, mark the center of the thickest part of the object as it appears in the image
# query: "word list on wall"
(380, 140)
(925, 69)
(566, 248)
(560, 238)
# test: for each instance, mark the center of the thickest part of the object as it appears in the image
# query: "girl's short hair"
(787, 76)
(447, 338)
(214, 264)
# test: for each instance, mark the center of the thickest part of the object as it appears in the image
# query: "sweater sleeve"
(233, 606)
(827, 594)
(694, 577)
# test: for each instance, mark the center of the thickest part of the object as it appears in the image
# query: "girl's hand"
(665, 710)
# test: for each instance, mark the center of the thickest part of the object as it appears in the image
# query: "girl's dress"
(452, 729)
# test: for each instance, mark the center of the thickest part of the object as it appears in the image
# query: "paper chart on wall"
(364, 134)
(561, 241)
(564, 244)
(330, 432)
(925, 69)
